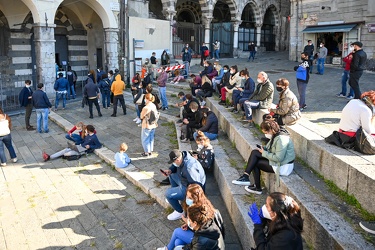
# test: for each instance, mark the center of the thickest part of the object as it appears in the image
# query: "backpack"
(154, 117)
(71, 157)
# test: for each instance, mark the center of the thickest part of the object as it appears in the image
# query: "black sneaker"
(253, 189)
(243, 180)
(166, 181)
(368, 226)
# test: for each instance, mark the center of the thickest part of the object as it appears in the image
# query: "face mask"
(86, 132)
(321, 46)
(269, 136)
(181, 98)
(200, 146)
(79, 130)
(174, 164)
(189, 225)
(28, 86)
(225, 70)
(243, 78)
(214, 66)
(279, 89)
(189, 202)
(193, 110)
(265, 212)
(231, 72)
(351, 48)
(259, 80)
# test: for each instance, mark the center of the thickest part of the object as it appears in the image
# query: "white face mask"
(321, 46)
(232, 72)
(265, 212)
(193, 110)
(351, 48)
(259, 80)
(189, 225)
(174, 164)
(269, 136)
(28, 86)
(200, 146)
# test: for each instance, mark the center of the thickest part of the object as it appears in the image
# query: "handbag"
(140, 99)
(364, 142)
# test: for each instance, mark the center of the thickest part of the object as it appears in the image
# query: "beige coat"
(145, 115)
(288, 107)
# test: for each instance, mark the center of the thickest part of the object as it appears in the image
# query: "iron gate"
(188, 33)
(223, 32)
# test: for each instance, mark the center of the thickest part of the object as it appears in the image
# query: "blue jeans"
(147, 138)
(76, 138)
(163, 97)
(248, 106)
(42, 114)
(217, 52)
(187, 68)
(252, 55)
(106, 99)
(180, 237)
(59, 95)
(344, 79)
(302, 93)
(71, 91)
(175, 193)
(7, 141)
(320, 65)
(208, 135)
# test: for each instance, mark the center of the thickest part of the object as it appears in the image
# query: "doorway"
(61, 51)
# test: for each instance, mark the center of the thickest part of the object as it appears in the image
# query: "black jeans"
(116, 99)
(94, 101)
(28, 110)
(256, 163)
(354, 83)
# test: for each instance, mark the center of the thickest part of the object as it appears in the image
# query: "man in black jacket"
(357, 66)
(42, 107)
(92, 92)
(25, 98)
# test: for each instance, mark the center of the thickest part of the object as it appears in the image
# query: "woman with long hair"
(278, 225)
(276, 157)
(148, 126)
(205, 152)
(6, 138)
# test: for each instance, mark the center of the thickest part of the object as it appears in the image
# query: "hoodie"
(91, 89)
(118, 86)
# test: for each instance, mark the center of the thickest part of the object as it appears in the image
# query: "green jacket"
(264, 94)
(281, 152)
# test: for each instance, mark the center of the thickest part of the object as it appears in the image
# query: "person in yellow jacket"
(117, 88)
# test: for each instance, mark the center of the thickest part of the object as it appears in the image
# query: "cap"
(358, 43)
(173, 155)
(61, 74)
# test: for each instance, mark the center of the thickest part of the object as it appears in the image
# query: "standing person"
(71, 76)
(309, 49)
(279, 223)
(42, 107)
(261, 98)
(122, 160)
(92, 92)
(118, 87)
(204, 53)
(149, 124)
(99, 74)
(61, 87)
(6, 138)
(323, 52)
(251, 48)
(111, 79)
(185, 170)
(162, 83)
(357, 66)
(25, 99)
(186, 54)
(105, 90)
(303, 76)
(154, 65)
(216, 45)
(165, 60)
(345, 76)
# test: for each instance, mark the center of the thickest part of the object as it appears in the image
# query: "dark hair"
(235, 68)
(226, 66)
(104, 76)
(28, 82)
(308, 41)
(244, 72)
(204, 119)
(110, 72)
(90, 128)
(40, 85)
(288, 214)
(304, 53)
(180, 93)
(282, 82)
(189, 96)
(192, 75)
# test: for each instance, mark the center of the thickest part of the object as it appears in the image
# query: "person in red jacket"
(345, 76)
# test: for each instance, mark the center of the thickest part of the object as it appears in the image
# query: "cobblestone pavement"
(85, 204)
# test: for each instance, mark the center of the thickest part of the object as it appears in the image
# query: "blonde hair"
(123, 147)
(80, 125)
(150, 97)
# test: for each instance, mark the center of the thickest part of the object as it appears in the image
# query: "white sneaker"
(14, 160)
(175, 215)
(3, 164)
(135, 119)
(138, 121)
(162, 248)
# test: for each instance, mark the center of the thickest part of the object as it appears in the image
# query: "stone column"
(111, 48)
(236, 24)
(44, 39)
(207, 27)
(171, 13)
(259, 32)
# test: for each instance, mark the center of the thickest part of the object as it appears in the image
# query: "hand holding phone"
(163, 172)
(259, 146)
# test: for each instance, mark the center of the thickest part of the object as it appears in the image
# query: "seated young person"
(205, 152)
(89, 144)
(210, 125)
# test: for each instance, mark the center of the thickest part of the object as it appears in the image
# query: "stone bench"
(323, 229)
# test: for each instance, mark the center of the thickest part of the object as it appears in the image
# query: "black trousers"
(256, 163)
(116, 99)
(96, 103)
(28, 110)
(354, 83)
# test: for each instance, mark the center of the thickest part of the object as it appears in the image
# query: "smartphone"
(259, 146)
(163, 172)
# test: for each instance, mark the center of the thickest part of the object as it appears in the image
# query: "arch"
(33, 9)
(271, 9)
(232, 8)
(4, 34)
(191, 7)
(222, 12)
(156, 7)
(256, 11)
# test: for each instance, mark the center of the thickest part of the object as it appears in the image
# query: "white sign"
(115, 6)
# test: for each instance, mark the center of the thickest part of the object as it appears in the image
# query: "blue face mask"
(225, 70)
(189, 202)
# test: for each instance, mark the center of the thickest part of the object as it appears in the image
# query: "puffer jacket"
(288, 107)
(279, 150)
(264, 94)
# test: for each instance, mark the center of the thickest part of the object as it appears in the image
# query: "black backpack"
(71, 157)
(154, 117)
